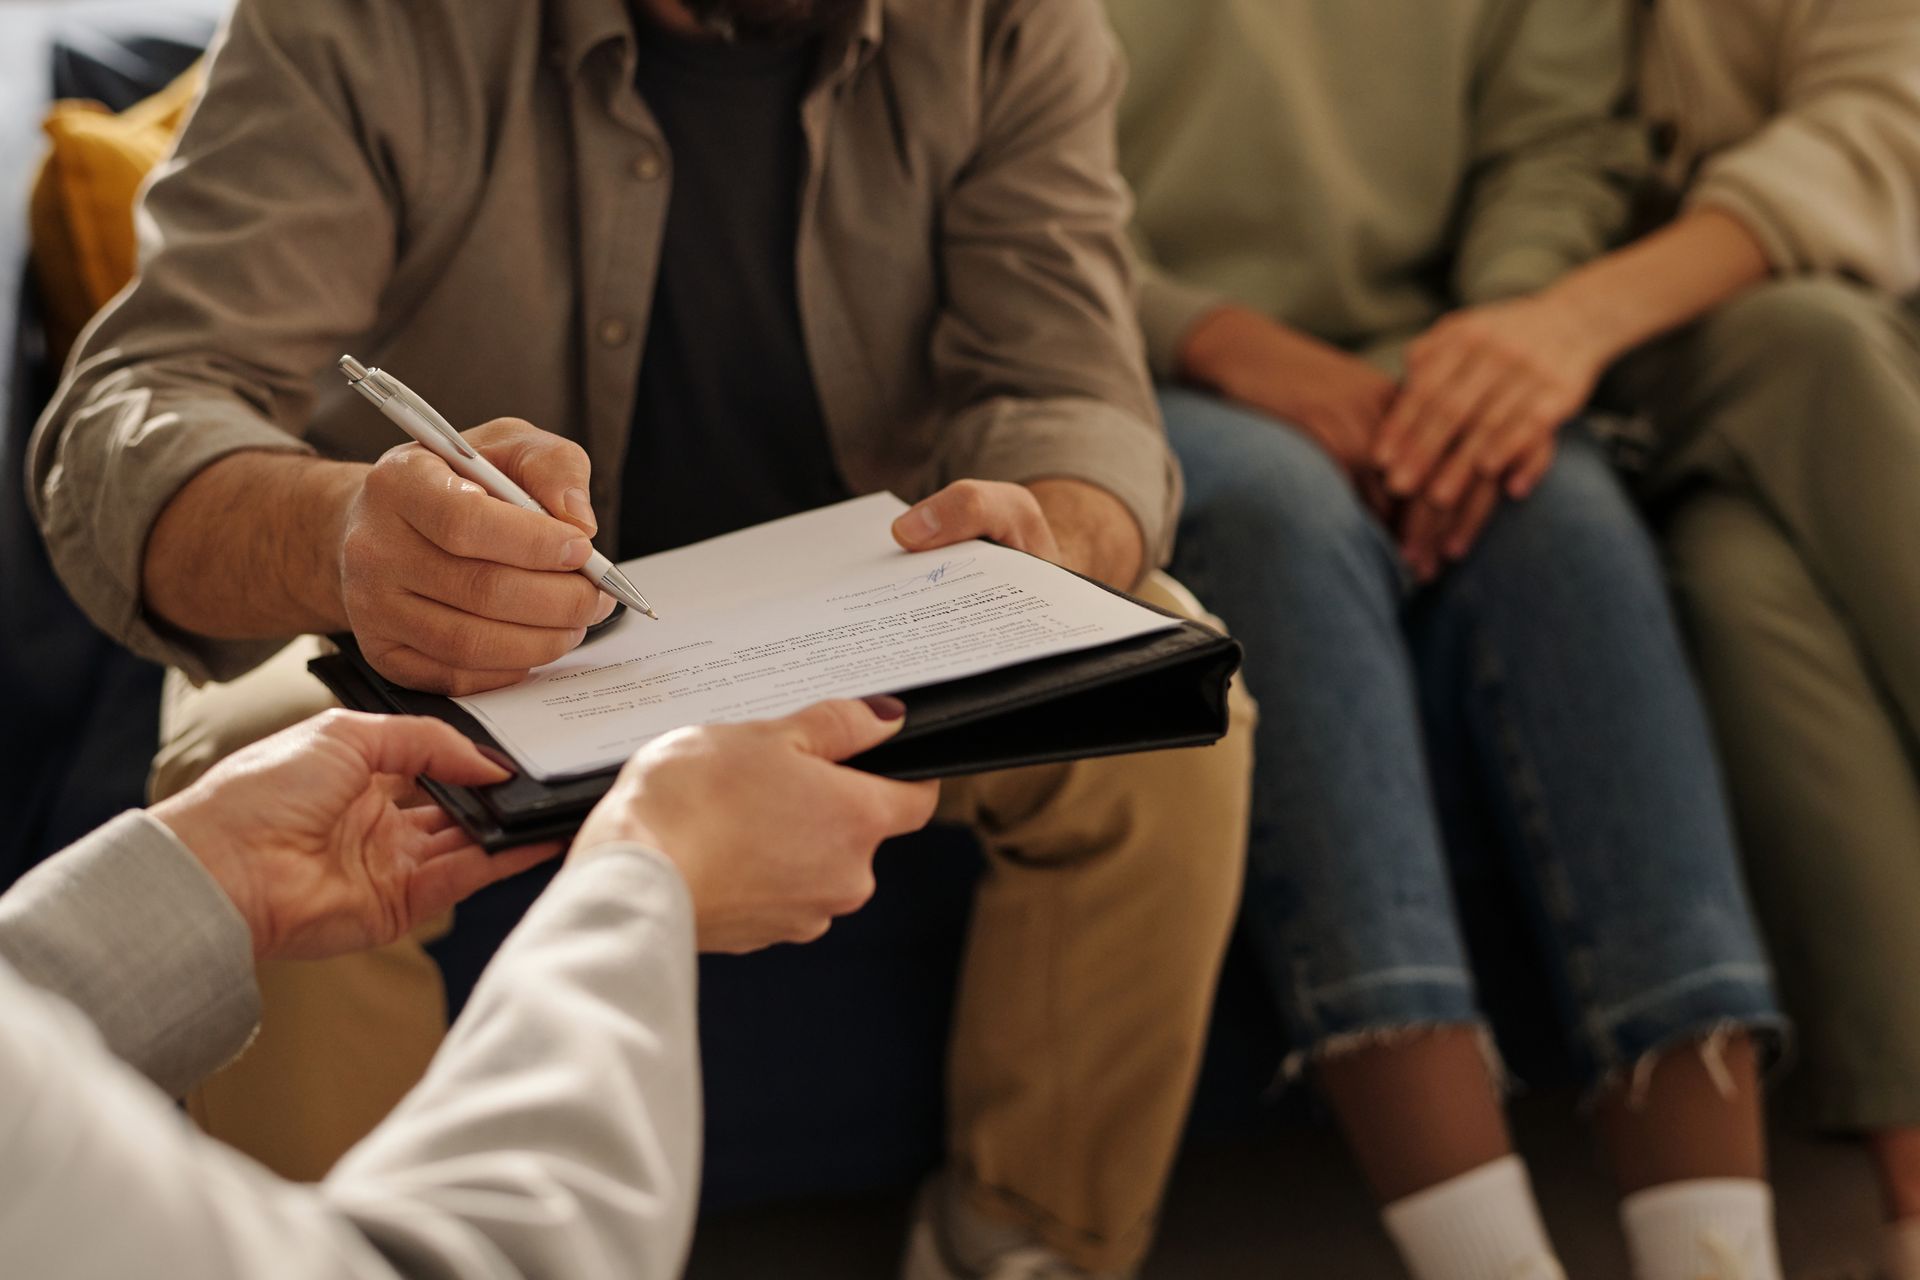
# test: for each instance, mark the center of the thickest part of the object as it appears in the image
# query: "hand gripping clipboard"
(1164, 690)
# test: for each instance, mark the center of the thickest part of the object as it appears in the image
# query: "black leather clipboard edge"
(1154, 692)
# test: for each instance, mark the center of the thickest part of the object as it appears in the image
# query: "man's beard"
(773, 19)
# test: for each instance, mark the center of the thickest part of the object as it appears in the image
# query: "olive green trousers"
(1789, 499)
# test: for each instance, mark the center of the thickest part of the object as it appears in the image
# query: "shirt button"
(613, 332)
(648, 165)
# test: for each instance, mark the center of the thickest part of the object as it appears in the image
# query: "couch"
(824, 1063)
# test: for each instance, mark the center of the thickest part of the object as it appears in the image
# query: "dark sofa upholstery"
(88, 708)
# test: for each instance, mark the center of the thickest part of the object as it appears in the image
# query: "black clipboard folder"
(1168, 689)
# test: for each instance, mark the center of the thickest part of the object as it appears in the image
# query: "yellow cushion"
(82, 218)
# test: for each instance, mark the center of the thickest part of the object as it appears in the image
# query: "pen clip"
(427, 414)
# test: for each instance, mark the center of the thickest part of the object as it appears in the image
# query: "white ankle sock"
(1481, 1224)
(1702, 1229)
(1902, 1246)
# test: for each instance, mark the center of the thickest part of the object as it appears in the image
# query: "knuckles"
(802, 932)
(582, 606)
(460, 684)
(482, 588)
(851, 897)
(500, 430)
(494, 590)
(459, 647)
(967, 502)
(1026, 510)
(338, 722)
(361, 548)
(569, 454)
(464, 530)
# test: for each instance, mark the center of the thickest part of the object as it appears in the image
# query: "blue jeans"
(1532, 703)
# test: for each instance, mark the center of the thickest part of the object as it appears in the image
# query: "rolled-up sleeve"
(1038, 338)
(265, 242)
(1556, 156)
(1832, 183)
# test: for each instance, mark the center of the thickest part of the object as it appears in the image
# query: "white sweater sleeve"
(1832, 183)
(556, 1134)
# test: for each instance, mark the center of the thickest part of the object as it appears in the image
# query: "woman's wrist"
(1217, 345)
(1657, 284)
(1598, 315)
(1236, 352)
(201, 835)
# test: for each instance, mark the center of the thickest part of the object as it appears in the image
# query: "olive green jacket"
(1358, 169)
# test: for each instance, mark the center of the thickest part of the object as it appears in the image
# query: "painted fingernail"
(886, 706)
(578, 552)
(580, 507)
(498, 757)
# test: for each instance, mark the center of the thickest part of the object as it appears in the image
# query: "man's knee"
(1177, 818)
(1229, 762)
(199, 727)
(1176, 814)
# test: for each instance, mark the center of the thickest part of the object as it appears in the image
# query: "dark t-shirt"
(728, 430)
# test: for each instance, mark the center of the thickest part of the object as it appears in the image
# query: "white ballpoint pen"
(406, 410)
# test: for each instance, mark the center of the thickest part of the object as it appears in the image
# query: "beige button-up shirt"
(473, 195)
(1801, 118)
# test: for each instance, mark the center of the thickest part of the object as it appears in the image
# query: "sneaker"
(928, 1257)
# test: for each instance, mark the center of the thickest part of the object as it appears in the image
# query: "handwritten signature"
(936, 576)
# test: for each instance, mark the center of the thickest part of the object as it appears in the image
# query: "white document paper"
(771, 619)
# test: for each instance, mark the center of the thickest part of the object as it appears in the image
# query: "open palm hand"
(316, 835)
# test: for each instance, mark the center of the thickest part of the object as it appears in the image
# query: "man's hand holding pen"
(451, 590)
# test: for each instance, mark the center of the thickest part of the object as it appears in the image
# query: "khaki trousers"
(1085, 994)
(1790, 503)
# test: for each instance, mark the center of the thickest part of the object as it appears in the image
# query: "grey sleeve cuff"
(128, 927)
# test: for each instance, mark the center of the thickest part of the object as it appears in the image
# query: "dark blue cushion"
(120, 54)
